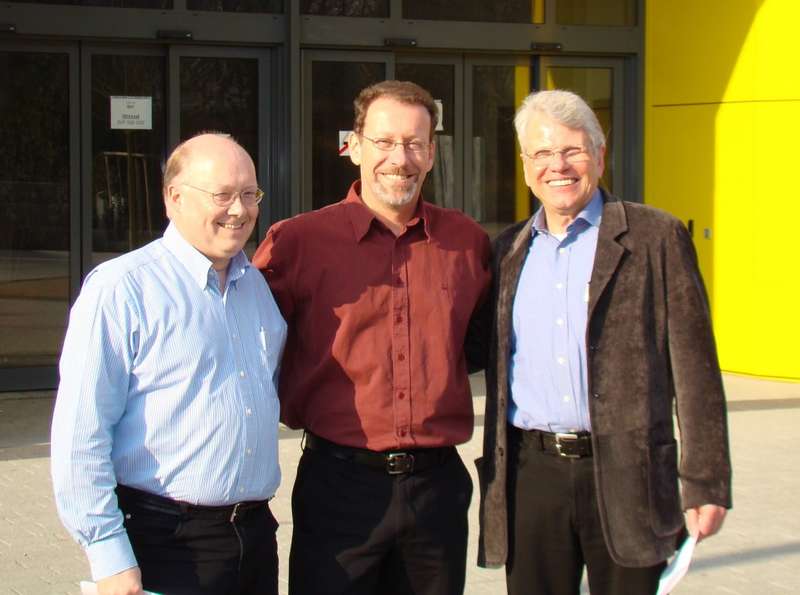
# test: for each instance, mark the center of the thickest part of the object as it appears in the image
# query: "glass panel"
(34, 198)
(591, 12)
(497, 11)
(335, 85)
(494, 148)
(346, 8)
(439, 80)
(127, 209)
(160, 4)
(221, 94)
(236, 5)
(594, 85)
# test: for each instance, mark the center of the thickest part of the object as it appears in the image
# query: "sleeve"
(95, 365)
(275, 258)
(705, 468)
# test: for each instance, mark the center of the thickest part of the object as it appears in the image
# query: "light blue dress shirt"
(548, 352)
(168, 386)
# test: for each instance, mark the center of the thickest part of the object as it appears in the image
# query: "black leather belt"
(392, 462)
(230, 512)
(571, 445)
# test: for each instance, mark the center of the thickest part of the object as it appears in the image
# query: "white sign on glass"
(131, 113)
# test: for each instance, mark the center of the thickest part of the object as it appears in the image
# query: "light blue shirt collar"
(592, 214)
(198, 265)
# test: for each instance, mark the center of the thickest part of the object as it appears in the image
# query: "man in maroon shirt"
(378, 291)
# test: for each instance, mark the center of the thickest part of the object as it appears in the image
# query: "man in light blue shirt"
(164, 437)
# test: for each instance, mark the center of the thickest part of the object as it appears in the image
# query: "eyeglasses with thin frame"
(571, 155)
(250, 198)
(387, 145)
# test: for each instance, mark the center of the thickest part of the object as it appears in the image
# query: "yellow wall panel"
(722, 106)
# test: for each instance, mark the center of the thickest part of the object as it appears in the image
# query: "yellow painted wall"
(722, 123)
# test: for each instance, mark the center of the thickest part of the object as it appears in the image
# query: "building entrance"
(81, 152)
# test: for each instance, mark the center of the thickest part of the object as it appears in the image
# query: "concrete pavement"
(757, 552)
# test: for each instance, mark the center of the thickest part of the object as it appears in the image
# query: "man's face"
(214, 164)
(393, 178)
(563, 188)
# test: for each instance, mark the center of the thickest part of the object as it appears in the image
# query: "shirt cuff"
(110, 556)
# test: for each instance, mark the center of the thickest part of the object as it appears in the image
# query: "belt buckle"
(398, 463)
(235, 511)
(566, 438)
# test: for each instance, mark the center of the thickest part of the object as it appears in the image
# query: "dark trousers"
(554, 529)
(360, 531)
(185, 552)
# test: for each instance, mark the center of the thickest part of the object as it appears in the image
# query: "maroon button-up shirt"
(375, 352)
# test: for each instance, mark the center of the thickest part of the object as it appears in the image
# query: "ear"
(173, 199)
(354, 148)
(431, 156)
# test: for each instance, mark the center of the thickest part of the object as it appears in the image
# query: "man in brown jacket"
(600, 327)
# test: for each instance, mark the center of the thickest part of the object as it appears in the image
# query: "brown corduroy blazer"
(650, 348)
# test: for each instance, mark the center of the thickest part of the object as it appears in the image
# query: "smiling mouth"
(562, 182)
(397, 177)
(232, 226)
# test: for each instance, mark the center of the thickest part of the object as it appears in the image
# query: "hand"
(703, 521)
(127, 582)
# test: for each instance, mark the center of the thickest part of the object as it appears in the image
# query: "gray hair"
(564, 107)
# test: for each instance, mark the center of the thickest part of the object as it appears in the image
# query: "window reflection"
(266, 6)
(34, 198)
(346, 8)
(499, 11)
(591, 12)
(160, 4)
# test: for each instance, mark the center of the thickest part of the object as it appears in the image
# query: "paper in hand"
(677, 568)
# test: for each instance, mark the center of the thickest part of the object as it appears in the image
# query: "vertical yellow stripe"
(522, 87)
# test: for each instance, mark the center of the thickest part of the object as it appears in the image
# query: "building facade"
(95, 93)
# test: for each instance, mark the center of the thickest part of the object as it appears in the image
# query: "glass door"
(331, 81)
(38, 186)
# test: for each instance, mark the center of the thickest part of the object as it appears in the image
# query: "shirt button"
(401, 395)
(249, 451)
(399, 319)
(401, 357)
(567, 398)
(559, 285)
(241, 490)
(561, 360)
(241, 373)
(596, 395)
(562, 250)
(234, 336)
(402, 432)
(560, 321)
(248, 411)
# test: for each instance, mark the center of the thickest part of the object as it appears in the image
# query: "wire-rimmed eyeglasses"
(387, 144)
(571, 155)
(250, 197)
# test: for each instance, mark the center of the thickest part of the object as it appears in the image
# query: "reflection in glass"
(160, 4)
(591, 12)
(594, 85)
(494, 152)
(268, 6)
(335, 85)
(127, 208)
(346, 8)
(439, 80)
(496, 11)
(221, 94)
(34, 198)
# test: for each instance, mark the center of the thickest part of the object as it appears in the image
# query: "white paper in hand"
(89, 588)
(678, 568)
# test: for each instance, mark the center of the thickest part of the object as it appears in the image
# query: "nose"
(237, 206)
(558, 162)
(399, 154)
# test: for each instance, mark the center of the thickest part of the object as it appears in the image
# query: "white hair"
(566, 108)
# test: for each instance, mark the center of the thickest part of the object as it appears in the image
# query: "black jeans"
(180, 553)
(360, 531)
(554, 529)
